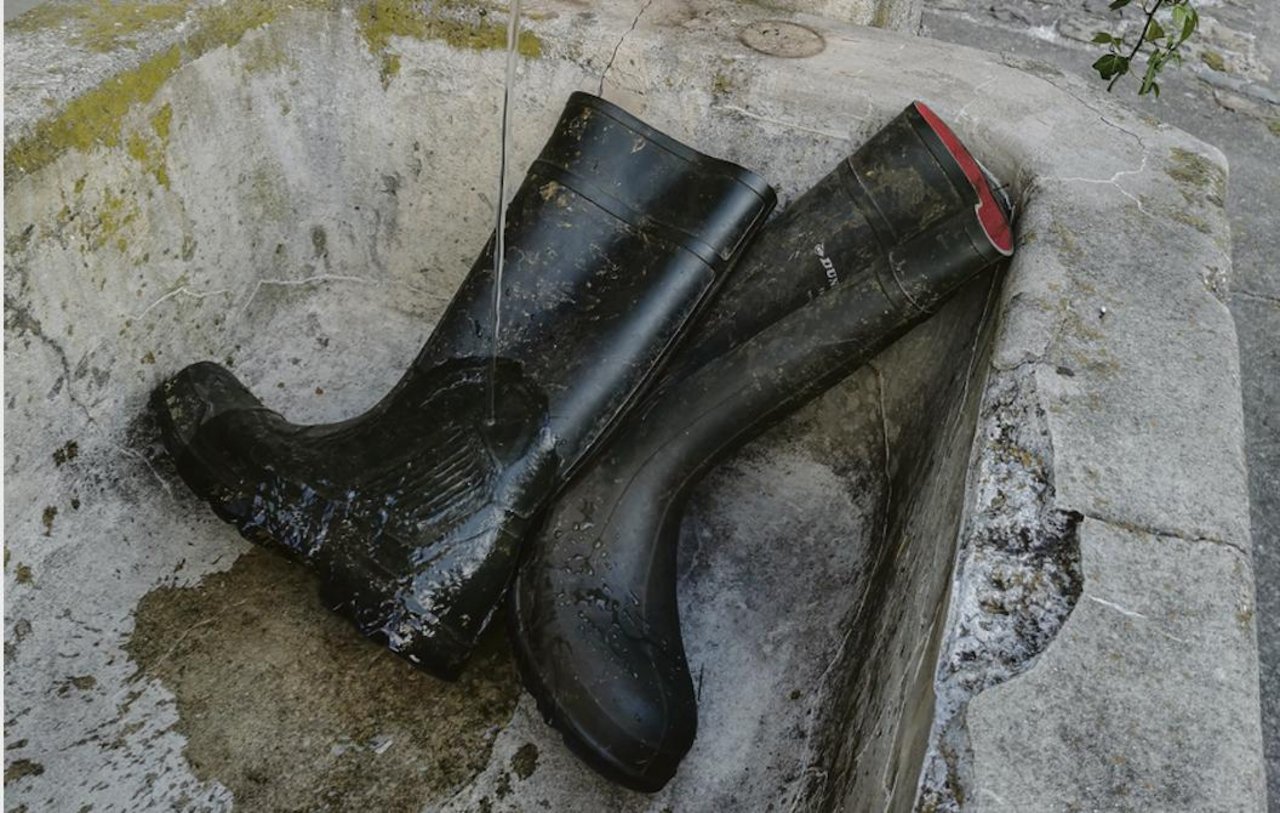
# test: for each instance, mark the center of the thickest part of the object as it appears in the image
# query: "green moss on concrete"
(161, 122)
(390, 68)
(113, 214)
(92, 120)
(1195, 173)
(228, 23)
(1198, 223)
(1274, 127)
(265, 54)
(380, 20)
(150, 155)
(151, 152)
(95, 119)
(1192, 168)
(1214, 60)
(103, 26)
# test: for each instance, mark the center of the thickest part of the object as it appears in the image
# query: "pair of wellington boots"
(574, 467)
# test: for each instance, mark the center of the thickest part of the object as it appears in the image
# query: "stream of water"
(500, 217)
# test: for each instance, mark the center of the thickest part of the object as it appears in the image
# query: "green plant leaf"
(1149, 78)
(1103, 38)
(1185, 19)
(1109, 65)
(1118, 4)
(1155, 31)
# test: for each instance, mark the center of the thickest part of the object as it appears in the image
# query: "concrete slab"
(1068, 735)
(345, 185)
(1239, 119)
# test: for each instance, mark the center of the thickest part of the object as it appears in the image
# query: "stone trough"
(1004, 567)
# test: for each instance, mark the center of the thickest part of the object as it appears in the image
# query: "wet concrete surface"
(286, 706)
(118, 279)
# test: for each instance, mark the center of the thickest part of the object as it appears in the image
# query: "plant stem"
(1142, 37)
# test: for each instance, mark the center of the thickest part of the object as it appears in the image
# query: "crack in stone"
(181, 290)
(1151, 530)
(1065, 87)
(1114, 180)
(618, 45)
(733, 108)
(298, 282)
(1269, 298)
(18, 317)
(963, 112)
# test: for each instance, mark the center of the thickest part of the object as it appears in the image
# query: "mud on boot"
(849, 267)
(413, 513)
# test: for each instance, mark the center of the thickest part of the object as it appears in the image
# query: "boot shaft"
(900, 183)
(615, 239)
(850, 267)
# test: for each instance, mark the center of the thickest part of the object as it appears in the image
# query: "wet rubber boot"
(848, 268)
(414, 512)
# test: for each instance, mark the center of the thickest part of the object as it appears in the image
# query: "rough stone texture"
(293, 181)
(1237, 112)
(1173, 621)
(895, 15)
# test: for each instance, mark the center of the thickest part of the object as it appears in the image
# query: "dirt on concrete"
(290, 708)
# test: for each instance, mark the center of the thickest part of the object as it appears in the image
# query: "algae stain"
(95, 118)
(114, 213)
(161, 122)
(380, 20)
(152, 155)
(1197, 223)
(1214, 60)
(1194, 172)
(266, 54)
(525, 760)
(21, 769)
(104, 25)
(66, 453)
(267, 196)
(284, 703)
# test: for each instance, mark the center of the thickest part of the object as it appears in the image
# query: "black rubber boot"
(413, 513)
(852, 265)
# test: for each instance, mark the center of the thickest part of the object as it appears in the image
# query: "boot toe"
(625, 705)
(633, 728)
(195, 395)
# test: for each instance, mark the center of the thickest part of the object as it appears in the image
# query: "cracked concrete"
(1235, 111)
(817, 594)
